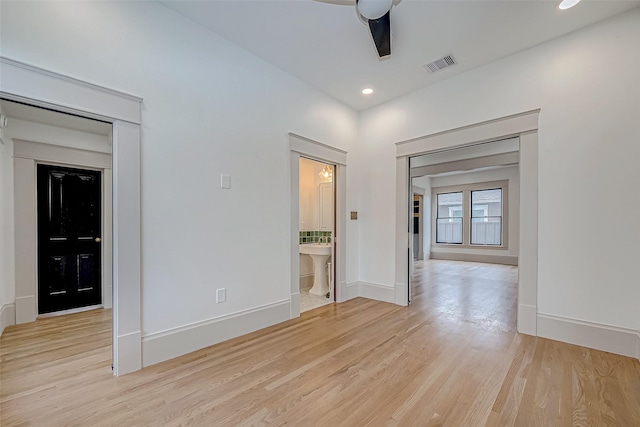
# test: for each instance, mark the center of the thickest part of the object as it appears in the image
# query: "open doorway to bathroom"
(316, 233)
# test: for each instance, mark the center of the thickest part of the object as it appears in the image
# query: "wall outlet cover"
(221, 295)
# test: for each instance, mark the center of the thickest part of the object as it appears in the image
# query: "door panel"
(69, 222)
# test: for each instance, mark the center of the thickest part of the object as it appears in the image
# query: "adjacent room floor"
(452, 358)
(309, 302)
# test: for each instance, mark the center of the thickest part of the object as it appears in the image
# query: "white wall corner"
(527, 319)
(295, 305)
(165, 345)
(352, 290)
(613, 339)
(377, 292)
(638, 346)
(7, 316)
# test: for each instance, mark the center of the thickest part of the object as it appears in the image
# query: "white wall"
(509, 174)
(209, 108)
(309, 194)
(588, 157)
(309, 179)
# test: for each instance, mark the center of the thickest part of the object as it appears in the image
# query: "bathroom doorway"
(316, 233)
(301, 147)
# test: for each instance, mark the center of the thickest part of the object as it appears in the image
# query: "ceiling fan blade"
(381, 33)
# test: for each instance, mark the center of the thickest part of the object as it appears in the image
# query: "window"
(486, 217)
(471, 215)
(449, 218)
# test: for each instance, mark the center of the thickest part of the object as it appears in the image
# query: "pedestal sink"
(319, 254)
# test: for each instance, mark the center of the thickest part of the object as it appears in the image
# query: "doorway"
(524, 126)
(306, 148)
(44, 88)
(316, 233)
(69, 212)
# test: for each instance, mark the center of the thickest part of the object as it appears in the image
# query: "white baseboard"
(613, 339)
(295, 305)
(352, 290)
(165, 345)
(401, 294)
(26, 309)
(131, 360)
(7, 316)
(342, 292)
(475, 257)
(527, 319)
(107, 297)
(377, 292)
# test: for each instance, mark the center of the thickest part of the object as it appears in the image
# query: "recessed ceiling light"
(566, 4)
(367, 91)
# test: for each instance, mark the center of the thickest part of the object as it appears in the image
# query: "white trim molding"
(294, 309)
(352, 290)
(317, 150)
(489, 259)
(524, 126)
(613, 339)
(7, 316)
(40, 87)
(26, 309)
(43, 88)
(165, 345)
(374, 291)
(377, 291)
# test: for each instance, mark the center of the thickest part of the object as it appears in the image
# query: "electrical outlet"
(221, 295)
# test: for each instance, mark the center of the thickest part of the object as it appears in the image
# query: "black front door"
(69, 248)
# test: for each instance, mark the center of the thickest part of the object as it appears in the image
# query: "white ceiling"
(329, 47)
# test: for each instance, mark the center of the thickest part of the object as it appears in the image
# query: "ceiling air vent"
(440, 64)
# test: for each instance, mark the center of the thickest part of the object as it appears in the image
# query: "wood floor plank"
(452, 358)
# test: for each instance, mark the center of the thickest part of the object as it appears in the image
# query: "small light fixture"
(367, 91)
(326, 174)
(566, 4)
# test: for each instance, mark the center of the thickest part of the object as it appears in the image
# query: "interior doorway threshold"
(70, 311)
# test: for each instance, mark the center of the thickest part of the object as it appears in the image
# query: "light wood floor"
(452, 358)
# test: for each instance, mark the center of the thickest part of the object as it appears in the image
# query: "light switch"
(221, 295)
(225, 181)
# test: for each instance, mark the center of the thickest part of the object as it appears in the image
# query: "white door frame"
(524, 125)
(42, 88)
(314, 150)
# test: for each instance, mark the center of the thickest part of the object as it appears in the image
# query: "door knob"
(98, 240)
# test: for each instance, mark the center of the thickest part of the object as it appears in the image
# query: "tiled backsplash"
(314, 236)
